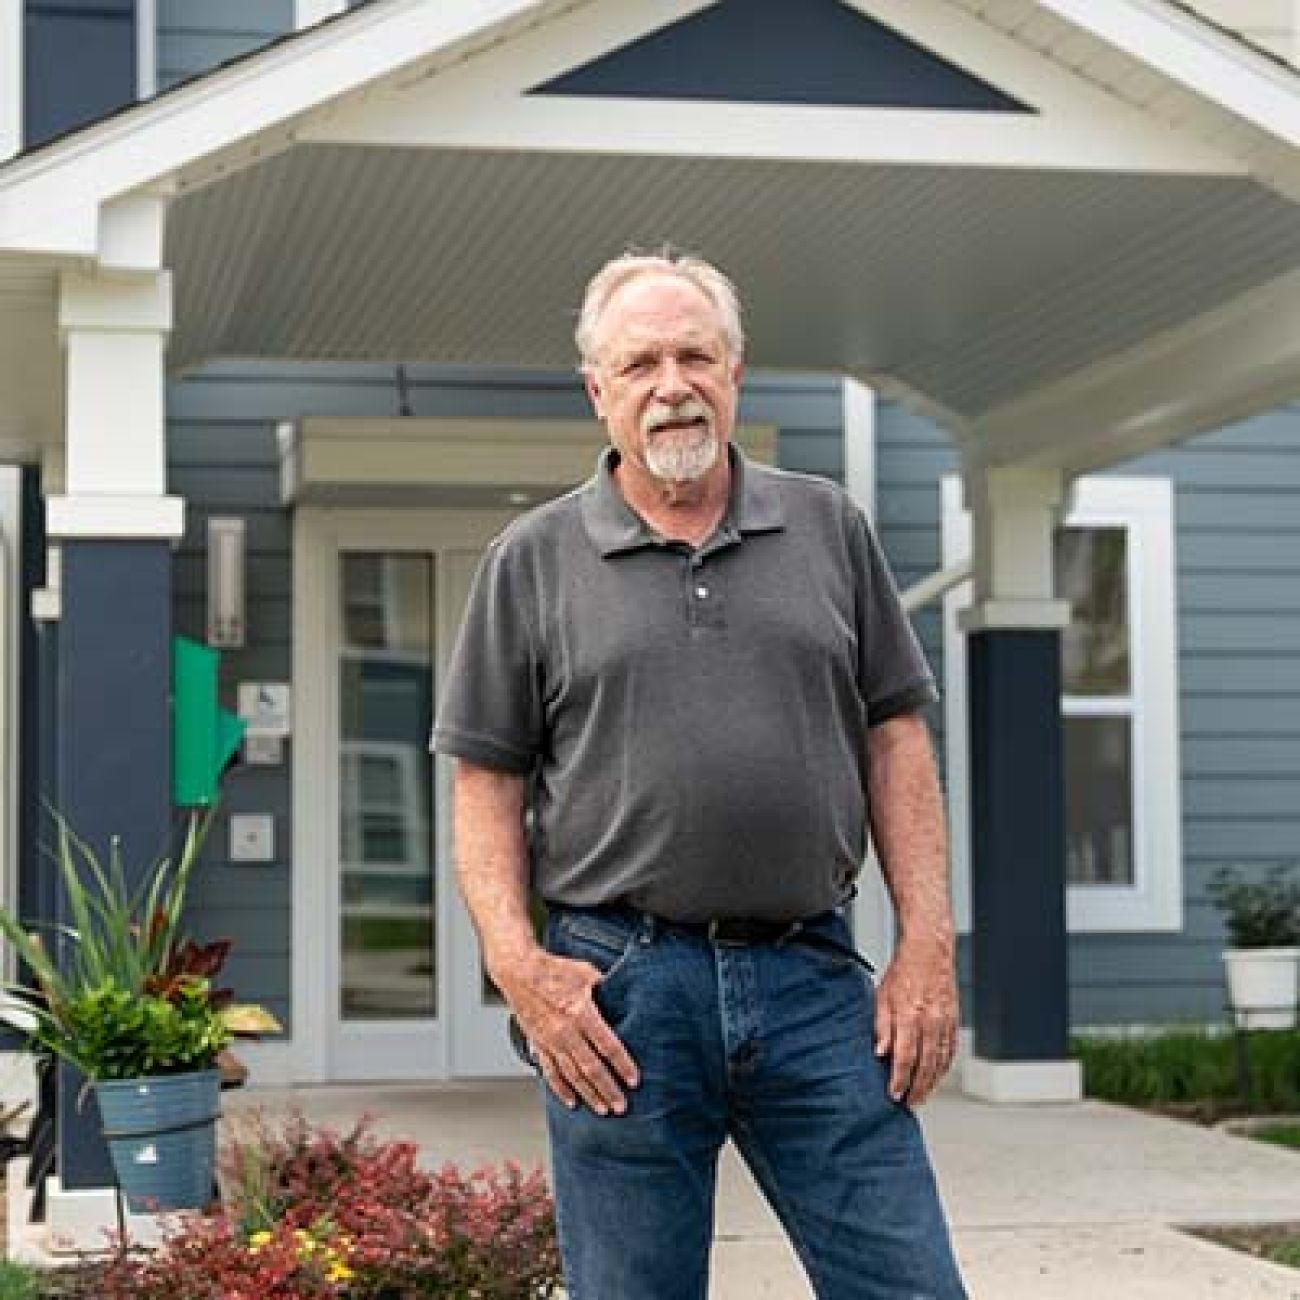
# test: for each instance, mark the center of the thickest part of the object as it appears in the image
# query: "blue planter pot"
(162, 1135)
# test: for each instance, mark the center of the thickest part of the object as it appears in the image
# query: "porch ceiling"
(1117, 270)
(964, 287)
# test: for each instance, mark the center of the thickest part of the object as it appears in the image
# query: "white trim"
(11, 621)
(307, 13)
(935, 586)
(1005, 615)
(315, 830)
(1144, 508)
(1022, 1082)
(1238, 358)
(115, 516)
(146, 48)
(1188, 50)
(11, 78)
(859, 405)
(245, 113)
(321, 458)
(319, 534)
(873, 912)
(485, 105)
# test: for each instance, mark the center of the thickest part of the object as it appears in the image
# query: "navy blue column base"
(114, 750)
(1019, 993)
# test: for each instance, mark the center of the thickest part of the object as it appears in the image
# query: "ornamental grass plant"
(1193, 1071)
(119, 992)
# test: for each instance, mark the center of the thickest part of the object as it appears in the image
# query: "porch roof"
(1116, 269)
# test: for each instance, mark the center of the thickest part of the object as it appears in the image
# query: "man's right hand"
(580, 1056)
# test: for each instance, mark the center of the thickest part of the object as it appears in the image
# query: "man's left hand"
(917, 1019)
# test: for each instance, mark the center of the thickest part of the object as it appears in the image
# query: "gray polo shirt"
(693, 720)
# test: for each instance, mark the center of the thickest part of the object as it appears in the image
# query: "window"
(1114, 563)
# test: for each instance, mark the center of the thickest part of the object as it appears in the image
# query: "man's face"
(664, 381)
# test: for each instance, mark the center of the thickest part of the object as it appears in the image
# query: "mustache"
(662, 413)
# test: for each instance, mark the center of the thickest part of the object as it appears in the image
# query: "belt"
(735, 931)
(748, 932)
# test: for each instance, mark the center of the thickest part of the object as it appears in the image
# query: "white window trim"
(146, 48)
(307, 13)
(11, 622)
(1144, 508)
(11, 80)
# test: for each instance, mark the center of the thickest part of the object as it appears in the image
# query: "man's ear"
(592, 385)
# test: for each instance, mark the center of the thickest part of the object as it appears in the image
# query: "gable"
(775, 52)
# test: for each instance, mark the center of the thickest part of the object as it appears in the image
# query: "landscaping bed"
(1196, 1075)
(309, 1213)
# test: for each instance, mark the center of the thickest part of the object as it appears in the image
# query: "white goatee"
(680, 454)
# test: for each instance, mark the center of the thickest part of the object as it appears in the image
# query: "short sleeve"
(893, 674)
(490, 710)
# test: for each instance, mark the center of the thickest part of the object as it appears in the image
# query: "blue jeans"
(772, 1046)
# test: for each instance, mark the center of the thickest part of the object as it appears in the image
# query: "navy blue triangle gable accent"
(782, 52)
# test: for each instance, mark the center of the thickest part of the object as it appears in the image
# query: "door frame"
(319, 534)
(11, 623)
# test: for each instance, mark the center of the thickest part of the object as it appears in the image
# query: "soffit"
(969, 286)
(1142, 85)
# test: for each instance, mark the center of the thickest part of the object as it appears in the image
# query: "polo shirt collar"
(614, 527)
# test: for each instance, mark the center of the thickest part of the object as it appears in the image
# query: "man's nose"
(670, 381)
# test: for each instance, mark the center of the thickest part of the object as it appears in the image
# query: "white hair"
(632, 266)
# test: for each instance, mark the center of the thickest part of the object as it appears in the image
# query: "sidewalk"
(1047, 1203)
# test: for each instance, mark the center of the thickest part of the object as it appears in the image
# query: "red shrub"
(309, 1212)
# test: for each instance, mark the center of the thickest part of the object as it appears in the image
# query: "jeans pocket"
(838, 952)
(605, 944)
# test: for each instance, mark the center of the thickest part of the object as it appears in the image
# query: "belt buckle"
(738, 932)
(725, 934)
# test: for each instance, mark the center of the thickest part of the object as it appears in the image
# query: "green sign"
(205, 737)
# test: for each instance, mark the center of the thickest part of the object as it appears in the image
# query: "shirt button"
(702, 592)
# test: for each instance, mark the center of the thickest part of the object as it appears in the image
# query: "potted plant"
(126, 998)
(1262, 962)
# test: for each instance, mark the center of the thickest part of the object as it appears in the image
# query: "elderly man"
(680, 695)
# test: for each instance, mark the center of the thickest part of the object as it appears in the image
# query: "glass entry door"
(409, 999)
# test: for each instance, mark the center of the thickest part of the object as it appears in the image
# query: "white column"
(113, 325)
(873, 914)
(11, 78)
(114, 331)
(1014, 514)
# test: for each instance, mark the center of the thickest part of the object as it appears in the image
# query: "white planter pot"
(1263, 986)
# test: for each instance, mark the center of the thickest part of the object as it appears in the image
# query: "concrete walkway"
(1047, 1203)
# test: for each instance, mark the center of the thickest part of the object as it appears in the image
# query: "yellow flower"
(259, 1239)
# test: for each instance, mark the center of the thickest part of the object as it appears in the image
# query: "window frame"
(1144, 509)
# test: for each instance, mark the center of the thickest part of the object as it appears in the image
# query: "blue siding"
(223, 459)
(1238, 561)
(773, 52)
(1239, 675)
(79, 64)
(195, 36)
(1238, 549)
